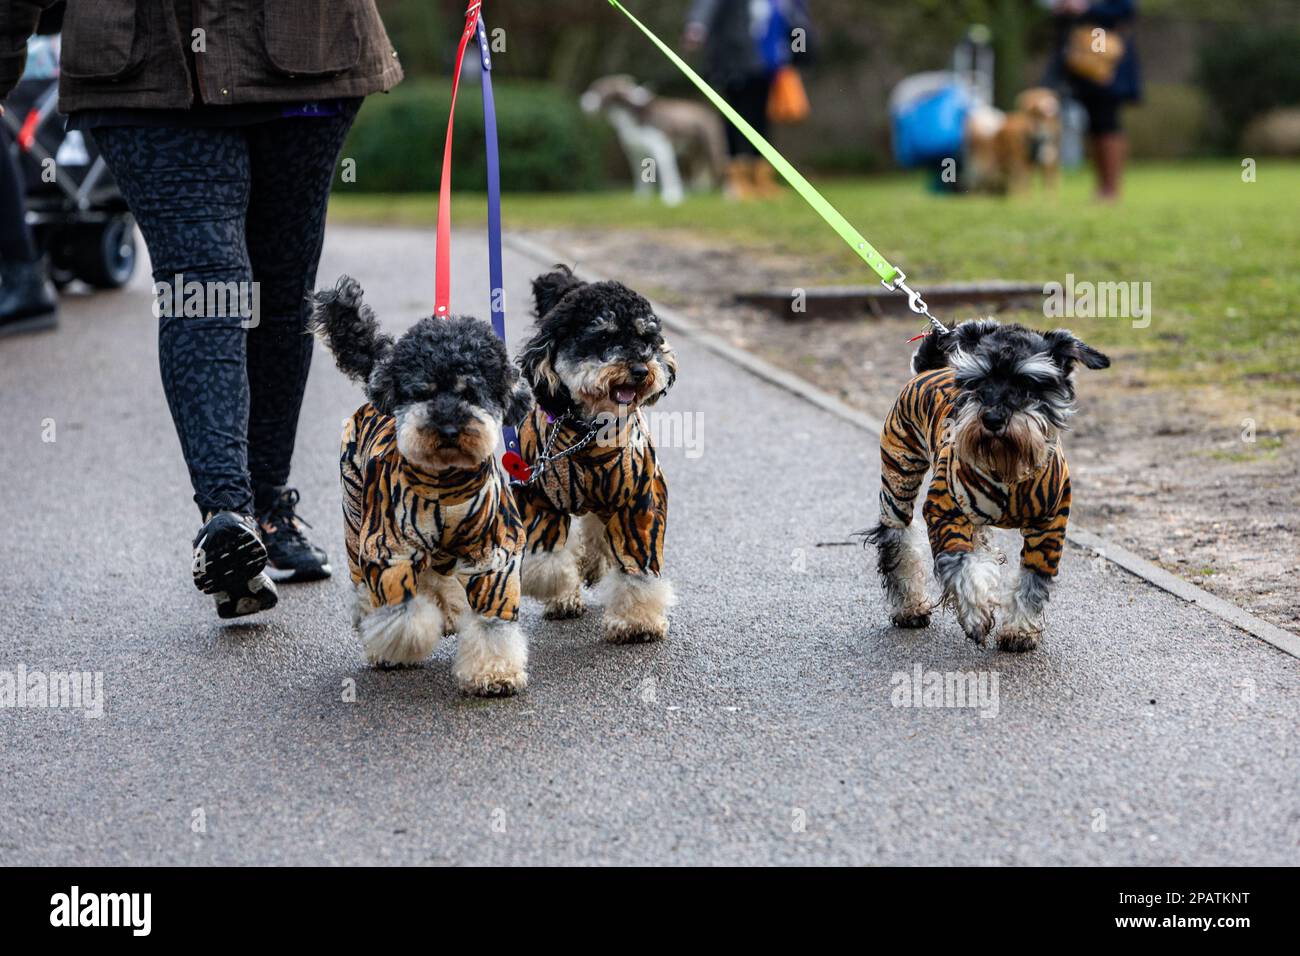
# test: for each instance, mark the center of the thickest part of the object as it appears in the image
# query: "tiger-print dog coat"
(620, 482)
(918, 435)
(401, 521)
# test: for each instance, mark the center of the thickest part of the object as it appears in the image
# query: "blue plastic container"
(931, 127)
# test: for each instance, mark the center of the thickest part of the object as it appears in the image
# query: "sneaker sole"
(297, 575)
(251, 602)
(232, 557)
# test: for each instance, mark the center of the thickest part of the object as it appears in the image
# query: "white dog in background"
(667, 142)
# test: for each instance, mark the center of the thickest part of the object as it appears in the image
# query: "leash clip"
(914, 300)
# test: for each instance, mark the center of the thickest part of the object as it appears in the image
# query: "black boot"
(28, 302)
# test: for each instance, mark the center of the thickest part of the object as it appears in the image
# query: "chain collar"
(545, 458)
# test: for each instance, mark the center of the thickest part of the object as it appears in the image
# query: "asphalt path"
(769, 728)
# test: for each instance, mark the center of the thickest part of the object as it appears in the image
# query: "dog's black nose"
(994, 419)
(639, 372)
(448, 432)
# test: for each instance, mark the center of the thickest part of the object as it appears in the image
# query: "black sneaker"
(228, 560)
(256, 594)
(289, 555)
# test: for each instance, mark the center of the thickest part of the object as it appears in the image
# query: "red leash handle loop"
(442, 267)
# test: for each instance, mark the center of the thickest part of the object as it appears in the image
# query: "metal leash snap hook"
(914, 300)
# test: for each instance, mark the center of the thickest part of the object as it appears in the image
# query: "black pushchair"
(74, 208)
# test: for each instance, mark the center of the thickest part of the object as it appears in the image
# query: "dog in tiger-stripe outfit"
(597, 358)
(434, 539)
(984, 413)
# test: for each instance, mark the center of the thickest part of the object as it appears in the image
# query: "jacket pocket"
(311, 37)
(104, 40)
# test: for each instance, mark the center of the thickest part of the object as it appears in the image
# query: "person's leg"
(741, 154)
(292, 165)
(1109, 144)
(188, 189)
(1112, 154)
(750, 173)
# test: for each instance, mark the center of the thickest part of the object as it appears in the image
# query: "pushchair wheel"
(103, 254)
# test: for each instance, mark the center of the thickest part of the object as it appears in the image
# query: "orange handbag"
(787, 102)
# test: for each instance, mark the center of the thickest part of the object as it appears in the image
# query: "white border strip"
(1283, 640)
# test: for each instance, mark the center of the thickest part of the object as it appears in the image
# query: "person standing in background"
(222, 123)
(745, 43)
(1099, 65)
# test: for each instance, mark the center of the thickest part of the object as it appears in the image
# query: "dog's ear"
(520, 401)
(937, 348)
(550, 288)
(537, 361)
(1065, 350)
(668, 359)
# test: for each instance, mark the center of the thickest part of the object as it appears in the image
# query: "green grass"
(1220, 254)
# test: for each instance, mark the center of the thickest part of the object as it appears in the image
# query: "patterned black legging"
(233, 204)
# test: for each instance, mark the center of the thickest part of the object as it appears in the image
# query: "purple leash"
(511, 460)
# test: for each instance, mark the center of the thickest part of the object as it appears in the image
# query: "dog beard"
(419, 443)
(607, 387)
(1015, 454)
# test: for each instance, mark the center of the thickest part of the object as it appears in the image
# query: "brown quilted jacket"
(171, 54)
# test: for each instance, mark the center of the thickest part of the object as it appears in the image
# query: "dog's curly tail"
(349, 329)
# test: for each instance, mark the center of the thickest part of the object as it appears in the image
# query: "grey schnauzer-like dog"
(984, 413)
(597, 358)
(434, 539)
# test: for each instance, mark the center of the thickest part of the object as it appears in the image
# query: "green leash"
(891, 276)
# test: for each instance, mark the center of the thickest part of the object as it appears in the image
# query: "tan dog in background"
(686, 140)
(1002, 149)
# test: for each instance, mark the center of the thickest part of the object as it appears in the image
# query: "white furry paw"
(403, 633)
(1018, 640)
(976, 621)
(492, 657)
(970, 586)
(564, 608)
(636, 608)
(912, 616)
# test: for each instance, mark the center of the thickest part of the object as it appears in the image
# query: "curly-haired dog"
(597, 358)
(985, 412)
(434, 538)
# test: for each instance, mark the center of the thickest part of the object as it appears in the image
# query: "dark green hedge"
(1248, 71)
(547, 142)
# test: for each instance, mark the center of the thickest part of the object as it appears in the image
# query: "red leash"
(442, 269)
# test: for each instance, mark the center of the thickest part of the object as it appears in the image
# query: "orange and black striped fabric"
(618, 480)
(917, 437)
(400, 522)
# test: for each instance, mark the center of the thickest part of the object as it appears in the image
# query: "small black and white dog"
(985, 412)
(596, 359)
(433, 536)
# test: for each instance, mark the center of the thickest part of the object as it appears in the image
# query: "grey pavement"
(764, 730)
